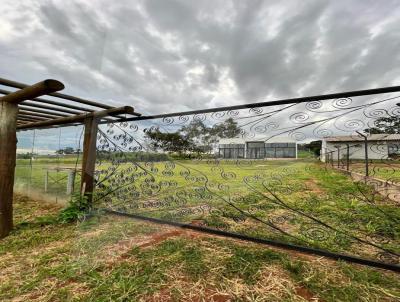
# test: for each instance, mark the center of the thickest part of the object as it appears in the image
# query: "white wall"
(376, 150)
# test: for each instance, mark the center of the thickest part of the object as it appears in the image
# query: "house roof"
(356, 137)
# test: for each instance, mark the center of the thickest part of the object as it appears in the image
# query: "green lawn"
(108, 258)
(30, 176)
(305, 154)
(383, 170)
(295, 201)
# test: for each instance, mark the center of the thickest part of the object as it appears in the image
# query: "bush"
(77, 208)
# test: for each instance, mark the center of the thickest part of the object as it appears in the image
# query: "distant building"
(278, 147)
(380, 146)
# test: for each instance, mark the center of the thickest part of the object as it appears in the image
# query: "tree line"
(194, 137)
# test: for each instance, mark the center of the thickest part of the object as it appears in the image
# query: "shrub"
(77, 208)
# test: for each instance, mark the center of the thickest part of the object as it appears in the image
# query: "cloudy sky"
(168, 55)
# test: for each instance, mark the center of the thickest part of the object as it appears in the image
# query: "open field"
(294, 201)
(30, 176)
(110, 258)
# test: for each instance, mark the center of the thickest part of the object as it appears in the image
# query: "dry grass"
(117, 259)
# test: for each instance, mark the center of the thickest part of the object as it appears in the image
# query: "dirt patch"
(157, 238)
(313, 187)
(26, 208)
(306, 294)
(119, 251)
(212, 295)
(162, 295)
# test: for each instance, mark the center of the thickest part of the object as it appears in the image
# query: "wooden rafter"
(23, 110)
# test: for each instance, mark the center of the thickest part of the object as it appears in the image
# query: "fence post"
(71, 182)
(89, 157)
(366, 152)
(366, 156)
(338, 156)
(46, 181)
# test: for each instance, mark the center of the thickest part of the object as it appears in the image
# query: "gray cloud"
(169, 55)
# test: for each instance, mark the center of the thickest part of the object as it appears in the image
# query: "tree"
(27, 155)
(195, 129)
(314, 147)
(66, 150)
(228, 129)
(194, 137)
(171, 142)
(385, 125)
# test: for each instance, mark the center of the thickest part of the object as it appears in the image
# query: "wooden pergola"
(22, 108)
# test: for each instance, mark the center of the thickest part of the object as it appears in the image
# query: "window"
(280, 150)
(394, 148)
(231, 150)
(255, 150)
(258, 150)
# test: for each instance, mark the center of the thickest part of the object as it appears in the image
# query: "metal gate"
(169, 169)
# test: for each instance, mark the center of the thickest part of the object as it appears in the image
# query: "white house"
(277, 147)
(379, 146)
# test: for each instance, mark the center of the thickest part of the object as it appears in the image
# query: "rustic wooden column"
(8, 148)
(89, 157)
(8, 145)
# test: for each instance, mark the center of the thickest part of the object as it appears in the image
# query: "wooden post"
(71, 182)
(8, 145)
(89, 157)
(8, 148)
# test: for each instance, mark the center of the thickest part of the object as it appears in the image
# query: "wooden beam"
(50, 102)
(38, 105)
(89, 157)
(45, 101)
(31, 92)
(27, 108)
(80, 117)
(38, 118)
(24, 118)
(14, 84)
(8, 148)
(34, 114)
(62, 105)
